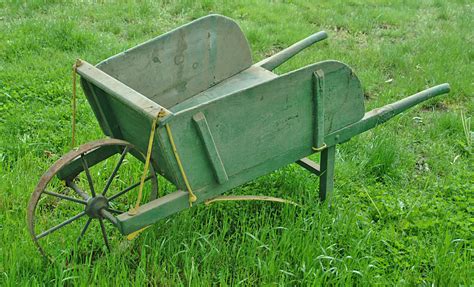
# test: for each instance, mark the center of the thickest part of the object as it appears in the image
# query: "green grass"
(402, 212)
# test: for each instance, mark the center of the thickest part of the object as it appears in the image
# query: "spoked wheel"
(81, 191)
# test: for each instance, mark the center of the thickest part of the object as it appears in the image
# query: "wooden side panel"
(262, 128)
(343, 96)
(136, 129)
(179, 64)
(255, 130)
(100, 107)
(122, 122)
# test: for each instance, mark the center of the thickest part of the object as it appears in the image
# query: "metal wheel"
(79, 192)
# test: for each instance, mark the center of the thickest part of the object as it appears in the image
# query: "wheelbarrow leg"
(326, 179)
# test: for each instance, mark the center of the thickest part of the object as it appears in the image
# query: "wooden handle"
(279, 58)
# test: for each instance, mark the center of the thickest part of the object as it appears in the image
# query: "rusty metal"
(94, 206)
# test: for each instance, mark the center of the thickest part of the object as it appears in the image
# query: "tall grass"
(402, 209)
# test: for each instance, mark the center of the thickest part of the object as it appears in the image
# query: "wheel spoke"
(77, 190)
(127, 189)
(109, 181)
(114, 211)
(88, 174)
(104, 233)
(106, 214)
(65, 197)
(52, 229)
(81, 178)
(84, 230)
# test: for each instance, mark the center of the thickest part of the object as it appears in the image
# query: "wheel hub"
(95, 204)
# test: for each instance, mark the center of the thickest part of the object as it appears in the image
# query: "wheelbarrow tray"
(232, 121)
(208, 120)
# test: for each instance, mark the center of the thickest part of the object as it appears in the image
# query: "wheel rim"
(63, 209)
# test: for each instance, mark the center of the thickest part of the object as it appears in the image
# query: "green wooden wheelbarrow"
(217, 121)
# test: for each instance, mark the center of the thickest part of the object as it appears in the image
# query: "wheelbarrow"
(191, 106)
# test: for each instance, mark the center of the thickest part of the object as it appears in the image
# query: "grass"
(402, 212)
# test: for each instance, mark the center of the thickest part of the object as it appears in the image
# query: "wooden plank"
(122, 92)
(284, 55)
(211, 148)
(380, 115)
(243, 80)
(136, 128)
(310, 165)
(183, 62)
(318, 95)
(105, 115)
(118, 106)
(91, 98)
(272, 119)
(153, 211)
(167, 165)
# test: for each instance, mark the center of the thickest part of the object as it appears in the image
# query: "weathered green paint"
(326, 179)
(284, 55)
(104, 120)
(94, 79)
(380, 115)
(268, 120)
(231, 121)
(248, 78)
(256, 131)
(318, 94)
(211, 148)
(183, 62)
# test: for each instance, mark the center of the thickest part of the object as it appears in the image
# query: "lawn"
(402, 211)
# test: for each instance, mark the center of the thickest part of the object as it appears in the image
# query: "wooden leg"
(326, 180)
